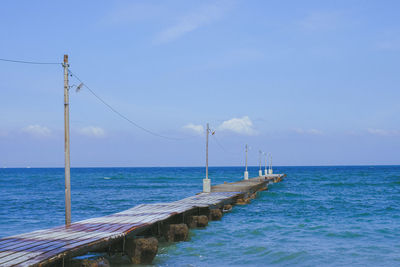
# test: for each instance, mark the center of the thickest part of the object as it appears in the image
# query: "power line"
(223, 148)
(29, 62)
(120, 114)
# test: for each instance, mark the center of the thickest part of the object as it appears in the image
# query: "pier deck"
(49, 246)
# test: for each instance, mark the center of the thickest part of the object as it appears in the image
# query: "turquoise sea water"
(330, 216)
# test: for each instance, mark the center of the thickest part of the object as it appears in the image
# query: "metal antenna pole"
(207, 182)
(67, 157)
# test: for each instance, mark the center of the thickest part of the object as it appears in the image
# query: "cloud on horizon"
(382, 132)
(242, 126)
(37, 130)
(92, 131)
(197, 129)
(308, 131)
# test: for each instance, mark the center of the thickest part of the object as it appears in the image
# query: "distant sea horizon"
(201, 166)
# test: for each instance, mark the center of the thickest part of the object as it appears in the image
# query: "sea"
(317, 216)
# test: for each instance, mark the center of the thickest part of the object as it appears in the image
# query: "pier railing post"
(246, 173)
(66, 133)
(207, 182)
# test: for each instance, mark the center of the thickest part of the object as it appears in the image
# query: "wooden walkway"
(44, 247)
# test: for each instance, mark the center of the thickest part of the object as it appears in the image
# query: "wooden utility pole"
(207, 132)
(246, 173)
(207, 182)
(260, 155)
(66, 133)
(270, 163)
(265, 159)
(246, 156)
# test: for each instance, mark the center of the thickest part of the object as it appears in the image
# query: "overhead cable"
(119, 113)
(29, 62)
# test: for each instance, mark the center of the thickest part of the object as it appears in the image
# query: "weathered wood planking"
(43, 246)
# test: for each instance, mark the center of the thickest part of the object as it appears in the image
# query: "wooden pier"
(57, 246)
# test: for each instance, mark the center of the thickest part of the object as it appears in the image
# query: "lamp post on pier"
(66, 151)
(206, 181)
(260, 171)
(270, 164)
(246, 173)
(265, 159)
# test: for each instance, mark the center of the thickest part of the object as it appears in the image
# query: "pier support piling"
(243, 201)
(215, 215)
(198, 221)
(141, 250)
(227, 208)
(176, 232)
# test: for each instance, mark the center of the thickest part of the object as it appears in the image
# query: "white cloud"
(308, 131)
(238, 125)
(382, 132)
(37, 130)
(197, 129)
(92, 131)
(191, 22)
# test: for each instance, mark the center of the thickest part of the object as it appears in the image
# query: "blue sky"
(312, 82)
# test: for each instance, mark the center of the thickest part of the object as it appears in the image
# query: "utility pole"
(270, 163)
(265, 159)
(207, 182)
(246, 173)
(260, 171)
(67, 158)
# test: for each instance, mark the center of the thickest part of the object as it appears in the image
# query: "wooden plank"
(53, 251)
(47, 248)
(51, 243)
(72, 242)
(9, 258)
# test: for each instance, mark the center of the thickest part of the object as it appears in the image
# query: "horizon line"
(215, 166)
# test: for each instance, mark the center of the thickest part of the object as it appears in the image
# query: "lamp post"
(66, 143)
(246, 173)
(265, 159)
(207, 182)
(260, 171)
(270, 164)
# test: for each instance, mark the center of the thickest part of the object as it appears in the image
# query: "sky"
(311, 82)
